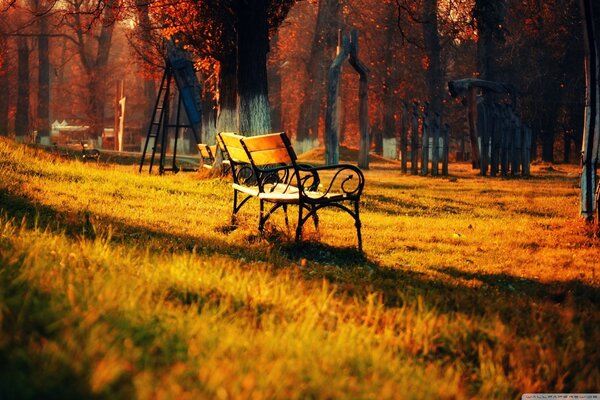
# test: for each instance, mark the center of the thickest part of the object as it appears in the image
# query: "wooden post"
(425, 140)
(472, 118)
(363, 109)
(504, 141)
(496, 140)
(332, 115)
(526, 157)
(518, 146)
(446, 135)
(414, 143)
(435, 159)
(484, 135)
(403, 131)
(117, 125)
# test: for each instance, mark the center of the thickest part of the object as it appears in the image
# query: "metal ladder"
(160, 124)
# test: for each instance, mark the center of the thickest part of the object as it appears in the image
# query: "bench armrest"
(340, 179)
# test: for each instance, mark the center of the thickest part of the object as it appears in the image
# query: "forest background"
(61, 60)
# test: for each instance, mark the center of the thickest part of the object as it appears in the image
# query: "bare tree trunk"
(434, 73)
(95, 65)
(227, 111)
(253, 46)
(43, 107)
(489, 16)
(323, 45)
(591, 132)
(274, 72)
(390, 104)
(22, 113)
(149, 84)
(4, 88)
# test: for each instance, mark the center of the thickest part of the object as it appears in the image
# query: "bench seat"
(265, 167)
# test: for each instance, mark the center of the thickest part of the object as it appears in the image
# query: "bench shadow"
(355, 274)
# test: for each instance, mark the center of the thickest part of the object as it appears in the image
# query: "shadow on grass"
(355, 275)
(346, 266)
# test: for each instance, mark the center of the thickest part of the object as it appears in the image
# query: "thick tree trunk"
(95, 66)
(22, 113)
(4, 88)
(227, 109)
(149, 84)
(274, 72)
(43, 107)
(489, 17)
(434, 73)
(323, 45)
(591, 131)
(391, 105)
(253, 46)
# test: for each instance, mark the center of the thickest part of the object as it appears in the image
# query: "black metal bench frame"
(266, 167)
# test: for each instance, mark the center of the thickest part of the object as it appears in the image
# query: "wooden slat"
(204, 151)
(234, 147)
(274, 156)
(265, 142)
(237, 155)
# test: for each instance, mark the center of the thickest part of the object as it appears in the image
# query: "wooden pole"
(363, 99)
(414, 143)
(496, 140)
(446, 135)
(117, 124)
(484, 135)
(526, 150)
(518, 145)
(403, 131)
(472, 118)
(435, 157)
(425, 140)
(333, 112)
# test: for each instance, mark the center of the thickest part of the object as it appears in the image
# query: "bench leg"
(261, 221)
(300, 222)
(357, 224)
(287, 222)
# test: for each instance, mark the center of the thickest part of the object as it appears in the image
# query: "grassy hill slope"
(115, 284)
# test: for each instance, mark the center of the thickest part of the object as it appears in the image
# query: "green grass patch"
(115, 284)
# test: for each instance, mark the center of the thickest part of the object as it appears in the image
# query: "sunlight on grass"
(120, 285)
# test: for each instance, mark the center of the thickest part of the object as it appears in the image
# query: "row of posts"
(423, 139)
(504, 141)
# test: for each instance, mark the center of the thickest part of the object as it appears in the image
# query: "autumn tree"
(4, 78)
(322, 49)
(591, 133)
(90, 26)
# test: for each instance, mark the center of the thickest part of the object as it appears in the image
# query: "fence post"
(435, 156)
(526, 150)
(414, 144)
(518, 142)
(425, 140)
(446, 135)
(496, 140)
(403, 144)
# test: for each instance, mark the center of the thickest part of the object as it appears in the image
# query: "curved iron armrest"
(283, 178)
(243, 174)
(347, 180)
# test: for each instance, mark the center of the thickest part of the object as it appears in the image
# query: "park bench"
(207, 155)
(266, 167)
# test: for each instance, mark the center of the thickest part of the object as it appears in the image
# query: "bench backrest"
(235, 149)
(271, 149)
(207, 153)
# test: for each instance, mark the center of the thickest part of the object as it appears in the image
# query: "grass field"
(121, 285)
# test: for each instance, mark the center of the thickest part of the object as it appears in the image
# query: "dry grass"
(120, 285)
